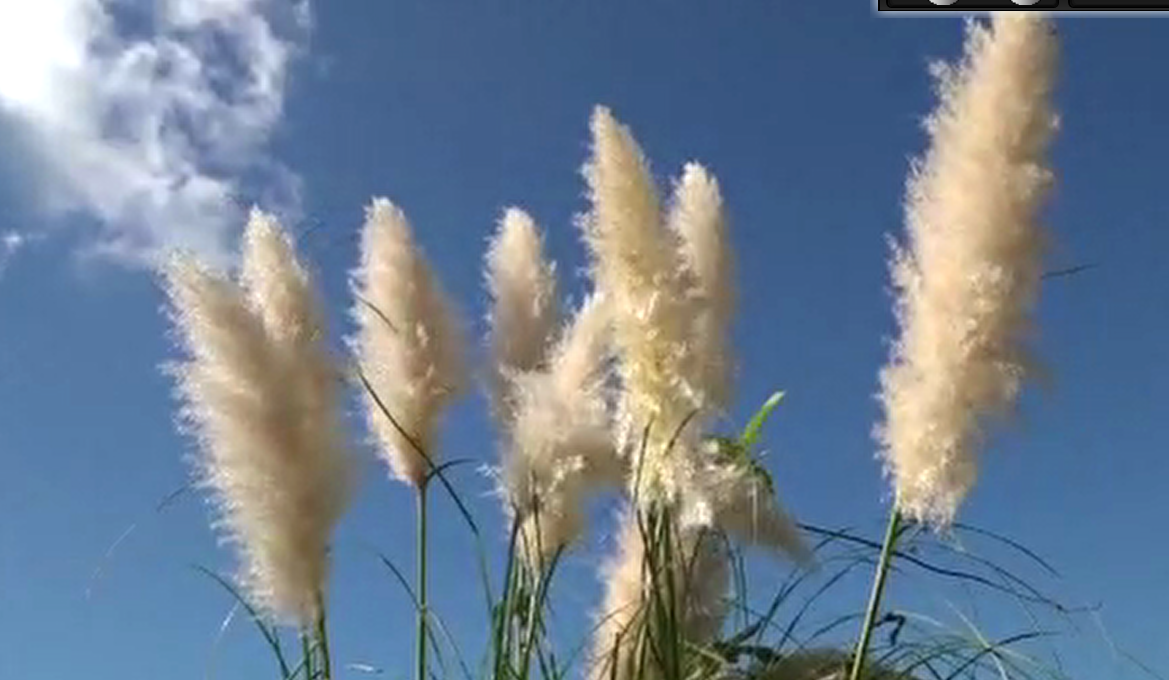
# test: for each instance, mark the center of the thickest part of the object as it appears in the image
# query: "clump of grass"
(623, 396)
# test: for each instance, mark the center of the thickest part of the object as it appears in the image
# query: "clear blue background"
(807, 112)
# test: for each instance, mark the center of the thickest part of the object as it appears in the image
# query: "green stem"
(306, 649)
(532, 620)
(421, 586)
(323, 640)
(862, 645)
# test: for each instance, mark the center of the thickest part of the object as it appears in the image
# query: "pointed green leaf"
(750, 433)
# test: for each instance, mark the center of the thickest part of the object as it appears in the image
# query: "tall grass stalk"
(967, 276)
(306, 650)
(322, 643)
(421, 577)
(892, 531)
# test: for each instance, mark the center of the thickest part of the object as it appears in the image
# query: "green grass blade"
(750, 434)
(108, 556)
(992, 649)
(410, 439)
(432, 616)
(791, 627)
(1011, 543)
(268, 632)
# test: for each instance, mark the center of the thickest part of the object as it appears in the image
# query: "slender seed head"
(968, 277)
(277, 286)
(280, 292)
(698, 220)
(522, 284)
(409, 343)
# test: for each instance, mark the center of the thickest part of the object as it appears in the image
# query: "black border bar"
(1037, 5)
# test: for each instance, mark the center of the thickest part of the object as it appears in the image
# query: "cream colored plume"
(697, 217)
(637, 266)
(969, 275)
(698, 568)
(409, 344)
(255, 391)
(669, 284)
(277, 285)
(524, 313)
(280, 293)
(727, 496)
(560, 445)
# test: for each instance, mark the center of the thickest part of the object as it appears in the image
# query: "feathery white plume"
(560, 445)
(969, 277)
(280, 292)
(257, 390)
(728, 496)
(697, 217)
(673, 299)
(409, 344)
(637, 266)
(522, 284)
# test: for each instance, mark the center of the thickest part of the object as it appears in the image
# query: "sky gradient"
(807, 112)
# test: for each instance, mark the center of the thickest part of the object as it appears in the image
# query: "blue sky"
(806, 111)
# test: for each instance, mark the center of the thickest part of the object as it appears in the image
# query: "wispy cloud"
(11, 242)
(152, 116)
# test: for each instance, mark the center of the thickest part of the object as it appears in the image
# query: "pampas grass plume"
(522, 285)
(409, 343)
(729, 497)
(637, 266)
(280, 292)
(697, 217)
(561, 445)
(968, 279)
(255, 395)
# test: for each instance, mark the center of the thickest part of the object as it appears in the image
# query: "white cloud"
(152, 116)
(10, 243)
